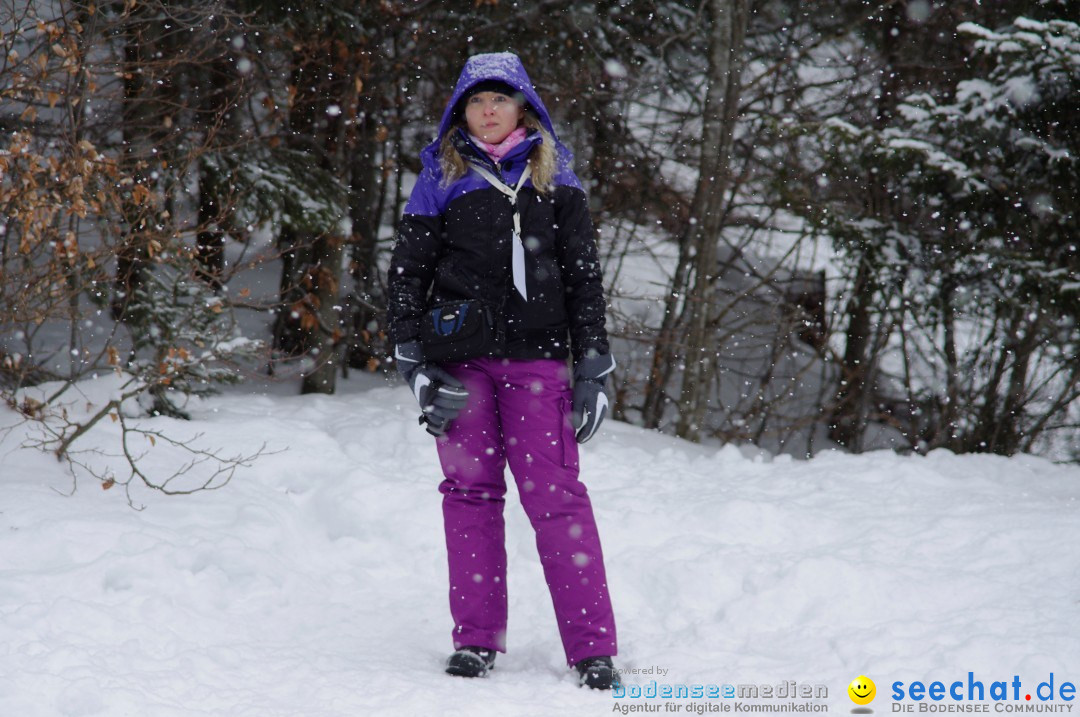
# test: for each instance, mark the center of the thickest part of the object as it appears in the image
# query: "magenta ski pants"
(519, 413)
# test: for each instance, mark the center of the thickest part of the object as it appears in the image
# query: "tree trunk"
(210, 240)
(665, 349)
(848, 418)
(1007, 431)
(323, 298)
(364, 210)
(213, 120)
(727, 22)
(321, 83)
(952, 367)
(140, 120)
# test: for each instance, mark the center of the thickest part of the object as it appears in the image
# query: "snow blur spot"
(614, 68)
(528, 486)
(1021, 91)
(918, 10)
(581, 560)
(575, 531)
(1042, 204)
(477, 578)
(243, 66)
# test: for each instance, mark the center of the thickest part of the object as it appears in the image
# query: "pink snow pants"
(519, 413)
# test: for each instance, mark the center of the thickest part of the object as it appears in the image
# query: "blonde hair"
(542, 158)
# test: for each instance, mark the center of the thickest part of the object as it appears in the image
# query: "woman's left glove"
(440, 395)
(590, 401)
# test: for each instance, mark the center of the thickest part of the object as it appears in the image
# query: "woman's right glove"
(440, 395)
(590, 402)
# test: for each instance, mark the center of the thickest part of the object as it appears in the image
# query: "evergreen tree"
(976, 265)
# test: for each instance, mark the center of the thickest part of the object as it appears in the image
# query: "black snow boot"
(471, 662)
(597, 673)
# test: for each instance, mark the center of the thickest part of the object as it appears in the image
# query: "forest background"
(849, 224)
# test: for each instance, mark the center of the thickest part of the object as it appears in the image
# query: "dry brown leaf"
(140, 194)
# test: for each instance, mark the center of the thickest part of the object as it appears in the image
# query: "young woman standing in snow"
(497, 228)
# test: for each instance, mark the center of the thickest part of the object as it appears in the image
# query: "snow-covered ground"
(314, 583)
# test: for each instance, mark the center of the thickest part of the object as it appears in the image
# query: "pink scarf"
(500, 150)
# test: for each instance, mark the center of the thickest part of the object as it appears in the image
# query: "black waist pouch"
(458, 330)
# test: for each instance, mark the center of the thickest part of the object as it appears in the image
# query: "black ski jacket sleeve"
(581, 274)
(415, 256)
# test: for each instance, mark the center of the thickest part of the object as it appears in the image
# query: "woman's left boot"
(471, 662)
(597, 673)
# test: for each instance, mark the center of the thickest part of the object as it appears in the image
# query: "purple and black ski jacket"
(454, 242)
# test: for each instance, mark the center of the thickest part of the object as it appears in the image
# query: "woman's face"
(491, 116)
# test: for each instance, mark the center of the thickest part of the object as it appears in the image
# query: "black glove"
(440, 395)
(590, 402)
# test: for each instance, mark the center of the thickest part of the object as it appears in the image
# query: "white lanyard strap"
(518, 258)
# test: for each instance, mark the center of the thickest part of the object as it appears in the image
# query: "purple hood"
(507, 67)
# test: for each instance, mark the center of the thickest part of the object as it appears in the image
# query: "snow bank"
(314, 584)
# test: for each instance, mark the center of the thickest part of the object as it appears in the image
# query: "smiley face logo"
(862, 690)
